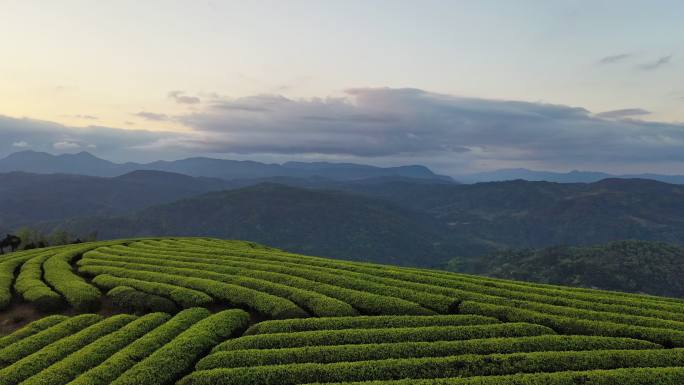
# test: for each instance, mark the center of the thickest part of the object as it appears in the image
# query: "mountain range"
(381, 219)
(402, 215)
(84, 163)
(574, 176)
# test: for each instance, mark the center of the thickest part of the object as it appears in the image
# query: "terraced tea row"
(158, 349)
(326, 321)
(322, 351)
(282, 285)
(123, 349)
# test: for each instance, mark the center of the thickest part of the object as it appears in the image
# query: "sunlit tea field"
(193, 311)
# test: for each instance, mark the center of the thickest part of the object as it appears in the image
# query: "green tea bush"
(569, 325)
(55, 352)
(183, 296)
(37, 341)
(93, 354)
(625, 376)
(178, 356)
(140, 302)
(341, 353)
(126, 358)
(436, 367)
(313, 302)
(30, 285)
(367, 303)
(263, 303)
(371, 336)
(57, 272)
(366, 322)
(31, 329)
(8, 266)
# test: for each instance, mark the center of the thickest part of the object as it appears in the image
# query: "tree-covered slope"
(241, 313)
(321, 222)
(28, 199)
(631, 266)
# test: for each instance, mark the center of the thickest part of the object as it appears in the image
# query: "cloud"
(386, 123)
(656, 64)
(387, 126)
(615, 58)
(623, 113)
(180, 98)
(65, 145)
(114, 143)
(152, 116)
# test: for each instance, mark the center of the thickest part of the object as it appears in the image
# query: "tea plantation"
(197, 311)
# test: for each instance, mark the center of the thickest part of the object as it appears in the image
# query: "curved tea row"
(323, 321)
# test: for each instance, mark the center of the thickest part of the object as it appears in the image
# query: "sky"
(459, 86)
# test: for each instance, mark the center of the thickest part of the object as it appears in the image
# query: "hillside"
(300, 220)
(630, 266)
(31, 198)
(240, 313)
(409, 222)
(538, 214)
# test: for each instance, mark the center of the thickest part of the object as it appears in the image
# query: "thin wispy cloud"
(66, 145)
(623, 113)
(153, 116)
(656, 64)
(615, 58)
(181, 98)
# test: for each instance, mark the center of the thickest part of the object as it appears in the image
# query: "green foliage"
(55, 352)
(30, 285)
(263, 303)
(140, 302)
(367, 302)
(569, 325)
(631, 266)
(366, 322)
(315, 303)
(367, 336)
(436, 367)
(126, 358)
(31, 329)
(382, 351)
(382, 323)
(184, 297)
(37, 341)
(626, 376)
(178, 356)
(93, 354)
(58, 273)
(8, 265)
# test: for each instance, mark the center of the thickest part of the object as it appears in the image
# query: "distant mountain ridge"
(32, 198)
(84, 163)
(442, 220)
(574, 176)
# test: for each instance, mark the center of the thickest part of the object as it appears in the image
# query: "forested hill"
(632, 266)
(329, 223)
(400, 221)
(538, 214)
